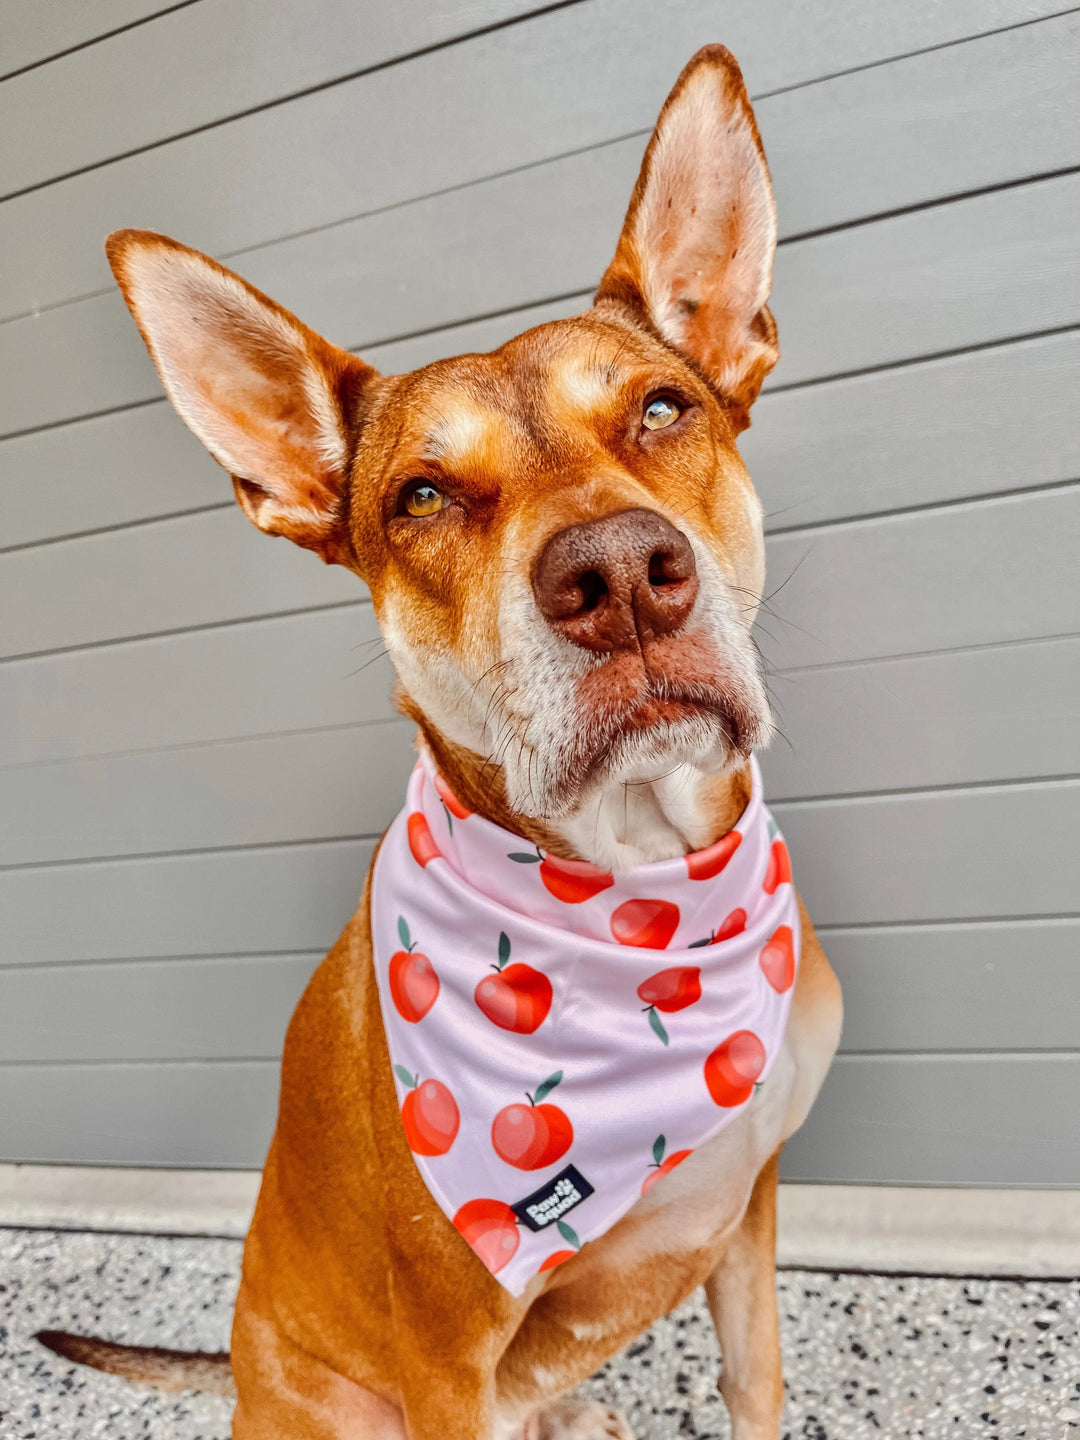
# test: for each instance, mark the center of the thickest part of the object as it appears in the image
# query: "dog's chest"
(693, 1207)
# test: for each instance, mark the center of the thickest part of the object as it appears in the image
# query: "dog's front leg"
(741, 1292)
(452, 1325)
(285, 1393)
(451, 1406)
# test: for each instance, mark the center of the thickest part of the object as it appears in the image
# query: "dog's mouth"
(640, 714)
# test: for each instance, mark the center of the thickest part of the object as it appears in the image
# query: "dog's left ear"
(695, 256)
(271, 400)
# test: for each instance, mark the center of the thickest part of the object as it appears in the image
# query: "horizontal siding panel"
(151, 1114)
(943, 1120)
(200, 65)
(919, 434)
(161, 1010)
(124, 374)
(447, 119)
(332, 784)
(964, 575)
(1005, 986)
(999, 851)
(972, 574)
(31, 31)
(1008, 986)
(197, 570)
(96, 473)
(285, 898)
(291, 673)
(960, 718)
(969, 273)
(1009, 1120)
(973, 272)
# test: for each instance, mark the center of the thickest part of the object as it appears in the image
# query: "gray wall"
(195, 754)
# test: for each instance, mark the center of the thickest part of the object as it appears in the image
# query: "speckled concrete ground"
(865, 1356)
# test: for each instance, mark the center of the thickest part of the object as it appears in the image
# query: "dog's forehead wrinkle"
(455, 431)
(463, 427)
(583, 379)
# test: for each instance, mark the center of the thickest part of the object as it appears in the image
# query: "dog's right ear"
(269, 398)
(695, 257)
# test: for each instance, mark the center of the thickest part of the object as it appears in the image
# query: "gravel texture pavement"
(865, 1355)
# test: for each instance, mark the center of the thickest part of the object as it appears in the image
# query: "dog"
(565, 555)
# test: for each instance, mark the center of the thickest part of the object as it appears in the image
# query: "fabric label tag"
(554, 1200)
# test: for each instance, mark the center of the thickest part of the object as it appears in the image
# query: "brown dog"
(362, 1312)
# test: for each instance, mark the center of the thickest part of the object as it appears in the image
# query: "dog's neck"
(632, 823)
(618, 826)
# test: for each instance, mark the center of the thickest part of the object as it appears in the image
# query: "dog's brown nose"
(613, 583)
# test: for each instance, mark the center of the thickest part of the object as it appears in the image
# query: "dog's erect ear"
(696, 252)
(268, 397)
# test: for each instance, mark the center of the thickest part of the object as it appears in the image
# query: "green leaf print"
(658, 1148)
(657, 1025)
(569, 1234)
(546, 1088)
(404, 1076)
(504, 948)
(523, 859)
(403, 933)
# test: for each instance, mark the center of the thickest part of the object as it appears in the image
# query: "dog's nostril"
(659, 565)
(593, 588)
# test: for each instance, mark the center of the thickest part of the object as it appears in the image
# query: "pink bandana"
(562, 1037)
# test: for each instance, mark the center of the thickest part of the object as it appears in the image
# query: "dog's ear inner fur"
(695, 256)
(269, 398)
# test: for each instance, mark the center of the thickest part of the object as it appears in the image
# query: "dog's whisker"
(349, 675)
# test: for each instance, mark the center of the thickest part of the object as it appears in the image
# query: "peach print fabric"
(562, 1037)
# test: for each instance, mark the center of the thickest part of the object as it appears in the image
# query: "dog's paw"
(578, 1420)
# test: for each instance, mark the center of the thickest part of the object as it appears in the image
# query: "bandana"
(562, 1037)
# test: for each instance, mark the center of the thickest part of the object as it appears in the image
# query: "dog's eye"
(660, 412)
(423, 498)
